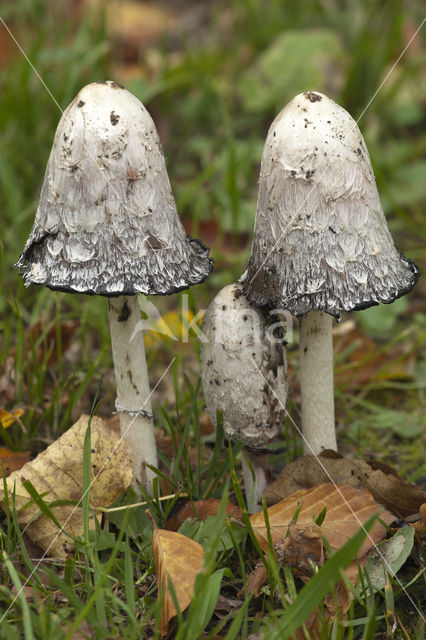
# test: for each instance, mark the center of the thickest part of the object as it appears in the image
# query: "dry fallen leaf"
(200, 510)
(384, 483)
(178, 559)
(256, 579)
(12, 460)
(6, 418)
(206, 425)
(347, 510)
(302, 548)
(420, 526)
(364, 361)
(299, 544)
(59, 471)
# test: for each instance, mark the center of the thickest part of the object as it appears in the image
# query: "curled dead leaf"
(6, 418)
(58, 473)
(256, 579)
(347, 509)
(381, 480)
(178, 560)
(420, 525)
(302, 548)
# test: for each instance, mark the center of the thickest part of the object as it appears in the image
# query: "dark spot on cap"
(125, 313)
(153, 242)
(217, 381)
(312, 96)
(81, 104)
(74, 168)
(332, 230)
(309, 173)
(114, 117)
(224, 307)
(305, 349)
(359, 152)
(65, 137)
(116, 85)
(244, 318)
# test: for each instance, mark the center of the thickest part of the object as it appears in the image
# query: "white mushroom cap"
(321, 241)
(107, 221)
(243, 371)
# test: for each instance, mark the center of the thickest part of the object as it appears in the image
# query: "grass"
(213, 93)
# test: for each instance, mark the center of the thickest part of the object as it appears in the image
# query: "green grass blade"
(26, 613)
(317, 588)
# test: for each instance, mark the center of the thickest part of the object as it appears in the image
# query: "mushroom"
(243, 371)
(107, 225)
(321, 243)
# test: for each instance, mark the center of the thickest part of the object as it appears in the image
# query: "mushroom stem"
(316, 382)
(133, 395)
(255, 480)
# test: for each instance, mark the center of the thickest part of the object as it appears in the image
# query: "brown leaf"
(12, 460)
(384, 483)
(200, 510)
(206, 425)
(256, 579)
(47, 344)
(178, 559)
(302, 549)
(347, 510)
(338, 601)
(312, 626)
(420, 526)
(364, 361)
(59, 471)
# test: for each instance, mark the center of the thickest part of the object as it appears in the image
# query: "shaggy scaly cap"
(107, 222)
(321, 241)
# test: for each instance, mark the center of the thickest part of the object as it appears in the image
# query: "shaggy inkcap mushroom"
(107, 224)
(243, 372)
(321, 242)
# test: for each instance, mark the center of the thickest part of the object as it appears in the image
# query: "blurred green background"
(213, 74)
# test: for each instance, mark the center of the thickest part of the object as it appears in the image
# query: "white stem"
(316, 382)
(255, 481)
(128, 352)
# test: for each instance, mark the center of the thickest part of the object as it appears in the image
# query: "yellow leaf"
(178, 559)
(58, 472)
(7, 418)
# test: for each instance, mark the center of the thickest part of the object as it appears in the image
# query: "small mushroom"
(107, 225)
(243, 371)
(321, 243)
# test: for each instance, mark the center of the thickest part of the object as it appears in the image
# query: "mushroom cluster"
(107, 225)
